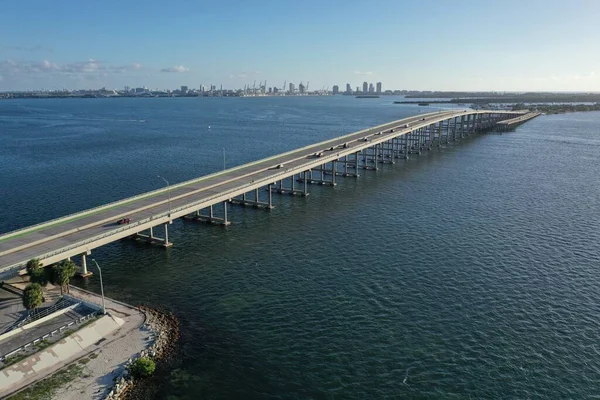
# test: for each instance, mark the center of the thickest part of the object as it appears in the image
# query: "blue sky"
(428, 44)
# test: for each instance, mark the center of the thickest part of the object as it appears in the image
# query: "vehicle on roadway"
(317, 154)
(124, 221)
(279, 166)
(406, 125)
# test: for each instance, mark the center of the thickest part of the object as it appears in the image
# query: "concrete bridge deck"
(511, 123)
(80, 233)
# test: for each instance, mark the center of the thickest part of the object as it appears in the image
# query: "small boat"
(423, 104)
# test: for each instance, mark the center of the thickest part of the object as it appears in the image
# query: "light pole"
(101, 286)
(168, 191)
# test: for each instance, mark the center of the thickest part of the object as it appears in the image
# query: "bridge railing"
(207, 200)
(84, 213)
(128, 227)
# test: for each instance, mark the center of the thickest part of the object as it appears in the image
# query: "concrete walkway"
(114, 339)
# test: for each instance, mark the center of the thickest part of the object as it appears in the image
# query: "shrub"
(142, 367)
(32, 296)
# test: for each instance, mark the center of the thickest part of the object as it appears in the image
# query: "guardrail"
(284, 174)
(59, 305)
(44, 337)
(16, 232)
(521, 118)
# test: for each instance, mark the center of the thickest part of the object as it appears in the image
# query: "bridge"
(252, 184)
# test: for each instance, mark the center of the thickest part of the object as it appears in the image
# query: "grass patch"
(84, 361)
(86, 323)
(42, 344)
(68, 332)
(45, 389)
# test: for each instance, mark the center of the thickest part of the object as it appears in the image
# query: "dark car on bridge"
(123, 221)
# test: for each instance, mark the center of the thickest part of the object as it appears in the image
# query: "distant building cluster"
(287, 89)
(367, 88)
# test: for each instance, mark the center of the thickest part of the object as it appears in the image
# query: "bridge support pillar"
(256, 203)
(210, 218)
(166, 242)
(322, 181)
(84, 273)
(154, 240)
(387, 152)
(292, 189)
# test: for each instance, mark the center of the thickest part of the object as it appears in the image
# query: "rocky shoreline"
(165, 335)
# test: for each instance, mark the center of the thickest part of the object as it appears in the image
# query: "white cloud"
(89, 67)
(363, 73)
(176, 68)
(27, 48)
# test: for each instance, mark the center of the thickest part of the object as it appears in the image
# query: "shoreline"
(101, 372)
(165, 328)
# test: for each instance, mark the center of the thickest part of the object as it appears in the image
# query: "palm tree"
(63, 272)
(32, 296)
(34, 270)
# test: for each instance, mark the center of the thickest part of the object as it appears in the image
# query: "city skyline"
(414, 45)
(260, 87)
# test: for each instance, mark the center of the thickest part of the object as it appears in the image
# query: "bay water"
(471, 271)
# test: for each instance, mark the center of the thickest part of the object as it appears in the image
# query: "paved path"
(120, 345)
(29, 335)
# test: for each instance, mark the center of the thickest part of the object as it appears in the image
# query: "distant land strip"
(545, 108)
(520, 99)
(480, 98)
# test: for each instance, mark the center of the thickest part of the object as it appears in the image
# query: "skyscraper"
(371, 88)
(291, 87)
(336, 89)
(301, 88)
(348, 88)
(378, 87)
(365, 87)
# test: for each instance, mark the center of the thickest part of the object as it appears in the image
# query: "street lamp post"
(101, 286)
(169, 193)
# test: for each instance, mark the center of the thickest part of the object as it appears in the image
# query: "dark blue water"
(468, 272)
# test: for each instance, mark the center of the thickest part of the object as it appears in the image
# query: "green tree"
(142, 367)
(32, 296)
(36, 271)
(63, 272)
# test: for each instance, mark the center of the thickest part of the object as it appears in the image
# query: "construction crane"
(284, 87)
